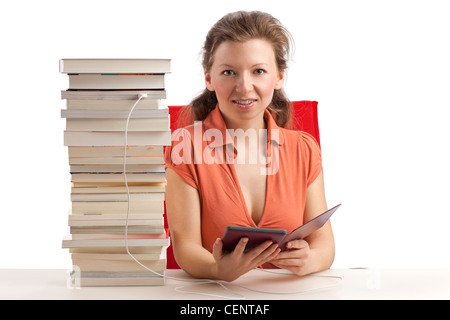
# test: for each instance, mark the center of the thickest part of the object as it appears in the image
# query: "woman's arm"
(316, 252)
(184, 218)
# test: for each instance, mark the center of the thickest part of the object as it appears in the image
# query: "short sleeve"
(179, 157)
(312, 157)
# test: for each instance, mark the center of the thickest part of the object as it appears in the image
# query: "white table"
(344, 284)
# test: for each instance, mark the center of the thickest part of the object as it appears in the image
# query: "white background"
(379, 69)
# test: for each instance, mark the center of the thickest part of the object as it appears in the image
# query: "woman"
(239, 165)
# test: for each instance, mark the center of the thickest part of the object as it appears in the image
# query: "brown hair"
(242, 26)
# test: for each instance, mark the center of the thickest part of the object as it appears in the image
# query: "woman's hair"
(242, 26)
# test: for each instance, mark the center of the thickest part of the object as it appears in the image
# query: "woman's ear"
(208, 82)
(280, 81)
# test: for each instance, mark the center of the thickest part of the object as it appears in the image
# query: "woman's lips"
(244, 103)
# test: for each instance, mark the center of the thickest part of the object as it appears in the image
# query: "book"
(103, 278)
(111, 94)
(120, 251)
(116, 207)
(118, 265)
(130, 168)
(115, 152)
(142, 229)
(116, 138)
(148, 240)
(115, 222)
(114, 65)
(113, 235)
(91, 217)
(118, 177)
(133, 160)
(149, 216)
(113, 188)
(90, 124)
(106, 81)
(108, 104)
(154, 255)
(150, 196)
(114, 114)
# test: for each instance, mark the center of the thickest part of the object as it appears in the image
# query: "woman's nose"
(244, 83)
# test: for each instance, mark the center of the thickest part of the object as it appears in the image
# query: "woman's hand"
(231, 265)
(297, 258)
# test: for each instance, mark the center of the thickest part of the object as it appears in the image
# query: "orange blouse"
(202, 155)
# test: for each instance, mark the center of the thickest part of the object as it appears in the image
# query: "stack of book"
(105, 219)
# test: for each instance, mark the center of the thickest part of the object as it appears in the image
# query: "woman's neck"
(256, 123)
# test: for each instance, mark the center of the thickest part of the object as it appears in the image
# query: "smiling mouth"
(244, 104)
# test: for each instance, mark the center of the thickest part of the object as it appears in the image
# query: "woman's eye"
(228, 73)
(259, 71)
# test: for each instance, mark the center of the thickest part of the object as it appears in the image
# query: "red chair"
(304, 115)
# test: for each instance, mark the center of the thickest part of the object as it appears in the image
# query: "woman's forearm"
(195, 260)
(322, 252)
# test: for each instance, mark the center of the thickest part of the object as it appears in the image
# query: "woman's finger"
(296, 244)
(240, 247)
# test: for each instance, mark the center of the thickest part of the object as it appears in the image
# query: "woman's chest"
(252, 181)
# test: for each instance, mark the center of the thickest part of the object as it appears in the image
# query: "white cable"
(196, 281)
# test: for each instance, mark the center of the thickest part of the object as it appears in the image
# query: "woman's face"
(244, 76)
